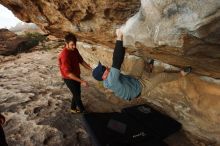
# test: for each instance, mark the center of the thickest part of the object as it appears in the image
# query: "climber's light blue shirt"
(123, 86)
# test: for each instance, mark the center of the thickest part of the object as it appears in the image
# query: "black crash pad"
(138, 125)
(160, 124)
(118, 129)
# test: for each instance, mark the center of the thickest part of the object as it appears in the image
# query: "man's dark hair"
(70, 37)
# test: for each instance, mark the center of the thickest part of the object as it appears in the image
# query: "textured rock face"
(12, 44)
(176, 32)
(6, 45)
(132, 65)
(193, 100)
(36, 103)
(90, 19)
(163, 22)
(35, 113)
(185, 32)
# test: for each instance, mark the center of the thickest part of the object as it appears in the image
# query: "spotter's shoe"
(74, 111)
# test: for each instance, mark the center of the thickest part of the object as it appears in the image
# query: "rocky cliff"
(6, 45)
(12, 44)
(176, 33)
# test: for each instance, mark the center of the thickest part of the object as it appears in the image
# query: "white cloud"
(7, 18)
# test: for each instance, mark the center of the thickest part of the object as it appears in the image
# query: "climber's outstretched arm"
(119, 51)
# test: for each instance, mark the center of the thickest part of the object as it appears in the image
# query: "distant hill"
(25, 27)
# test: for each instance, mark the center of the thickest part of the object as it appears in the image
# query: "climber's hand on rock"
(119, 34)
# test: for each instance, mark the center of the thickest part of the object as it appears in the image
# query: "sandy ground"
(36, 103)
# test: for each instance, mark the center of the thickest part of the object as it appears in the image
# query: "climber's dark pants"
(2, 137)
(75, 89)
(118, 55)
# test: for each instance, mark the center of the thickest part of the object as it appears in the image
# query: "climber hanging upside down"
(125, 86)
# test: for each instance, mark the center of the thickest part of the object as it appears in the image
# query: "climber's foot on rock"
(151, 65)
(185, 71)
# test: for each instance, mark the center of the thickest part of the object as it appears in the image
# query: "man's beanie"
(98, 72)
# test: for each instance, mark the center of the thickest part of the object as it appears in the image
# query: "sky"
(7, 18)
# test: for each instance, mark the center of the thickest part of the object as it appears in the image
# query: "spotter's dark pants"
(75, 89)
(2, 137)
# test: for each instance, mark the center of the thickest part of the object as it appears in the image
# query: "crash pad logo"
(144, 109)
(141, 134)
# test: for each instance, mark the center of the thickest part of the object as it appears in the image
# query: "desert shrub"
(32, 39)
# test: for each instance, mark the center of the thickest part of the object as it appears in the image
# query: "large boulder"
(10, 43)
(178, 32)
(192, 100)
(175, 32)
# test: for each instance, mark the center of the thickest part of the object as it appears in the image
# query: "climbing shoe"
(74, 111)
(186, 70)
(150, 65)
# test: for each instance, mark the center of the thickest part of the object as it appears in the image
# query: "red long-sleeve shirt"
(69, 61)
